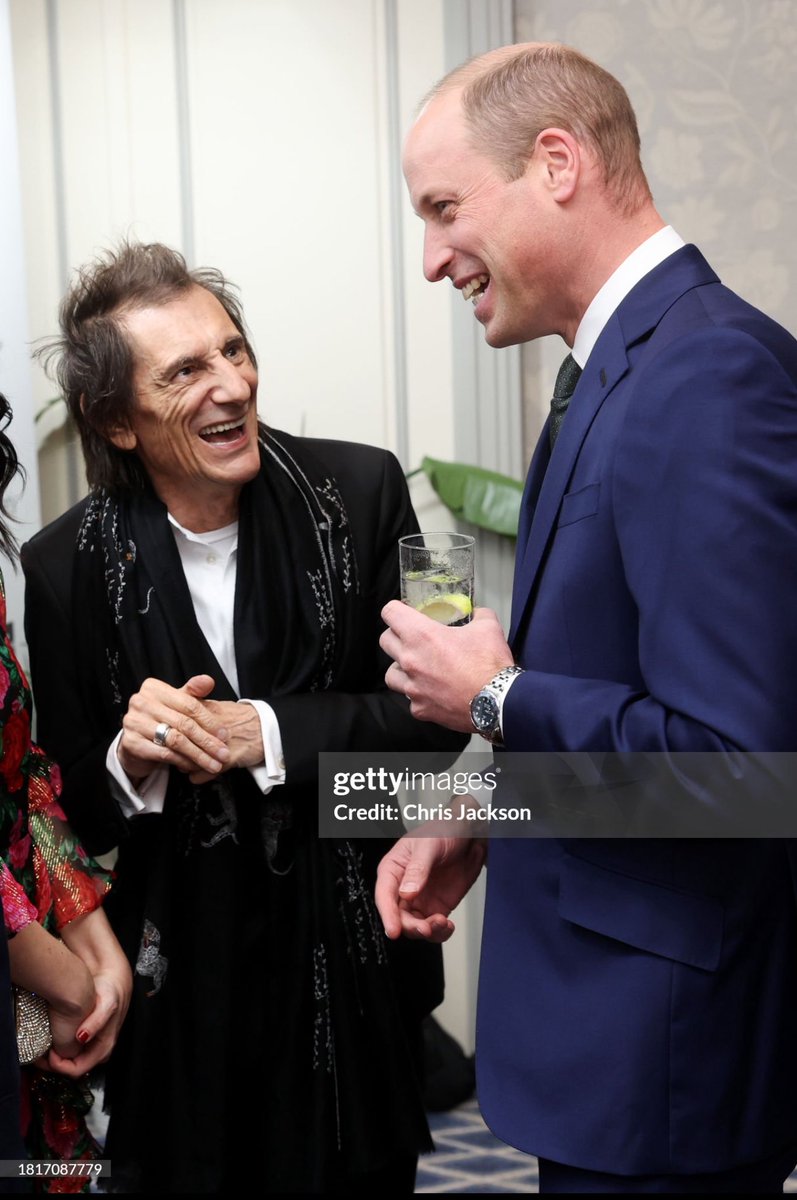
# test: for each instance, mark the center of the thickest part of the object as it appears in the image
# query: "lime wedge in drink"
(447, 610)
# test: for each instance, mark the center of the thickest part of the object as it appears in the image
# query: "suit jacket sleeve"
(63, 728)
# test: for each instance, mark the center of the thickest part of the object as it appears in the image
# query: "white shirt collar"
(205, 539)
(642, 260)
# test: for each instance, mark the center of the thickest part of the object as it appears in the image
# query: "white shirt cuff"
(150, 794)
(271, 772)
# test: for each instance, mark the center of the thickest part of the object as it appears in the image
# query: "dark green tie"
(565, 385)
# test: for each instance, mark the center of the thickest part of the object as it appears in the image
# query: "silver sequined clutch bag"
(32, 1016)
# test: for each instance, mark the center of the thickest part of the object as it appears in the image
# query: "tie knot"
(567, 378)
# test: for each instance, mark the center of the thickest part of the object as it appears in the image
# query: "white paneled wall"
(262, 137)
(288, 198)
(14, 373)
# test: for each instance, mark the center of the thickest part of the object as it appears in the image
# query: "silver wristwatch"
(485, 707)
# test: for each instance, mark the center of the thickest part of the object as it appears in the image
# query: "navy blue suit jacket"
(638, 998)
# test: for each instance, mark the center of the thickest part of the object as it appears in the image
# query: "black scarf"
(293, 539)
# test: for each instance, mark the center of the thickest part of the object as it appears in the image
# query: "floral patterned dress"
(45, 876)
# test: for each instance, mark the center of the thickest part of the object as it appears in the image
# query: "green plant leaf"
(484, 498)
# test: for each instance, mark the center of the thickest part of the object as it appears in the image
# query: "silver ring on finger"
(160, 734)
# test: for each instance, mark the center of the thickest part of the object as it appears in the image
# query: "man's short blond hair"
(510, 95)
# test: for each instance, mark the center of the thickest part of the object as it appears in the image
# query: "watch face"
(484, 712)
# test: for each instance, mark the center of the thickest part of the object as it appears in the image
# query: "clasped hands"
(87, 982)
(203, 737)
(76, 1051)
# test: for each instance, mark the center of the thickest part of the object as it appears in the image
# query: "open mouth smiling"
(224, 431)
(475, 288)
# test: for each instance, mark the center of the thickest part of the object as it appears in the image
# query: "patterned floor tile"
(470, 1159)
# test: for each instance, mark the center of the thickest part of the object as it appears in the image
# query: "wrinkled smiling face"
(194, 419)
(492, 237)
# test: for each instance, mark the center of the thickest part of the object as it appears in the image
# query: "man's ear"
(122, 437)
(558, 153)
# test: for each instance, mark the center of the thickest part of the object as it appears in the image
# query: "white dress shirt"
(638, 264)
(210, 562)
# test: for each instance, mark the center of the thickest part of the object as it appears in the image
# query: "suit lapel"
(596, 382)
(636, 316)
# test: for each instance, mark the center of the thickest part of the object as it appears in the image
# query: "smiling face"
(499, 241)
(194, 417)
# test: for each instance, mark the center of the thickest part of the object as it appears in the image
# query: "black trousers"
(397, 1179)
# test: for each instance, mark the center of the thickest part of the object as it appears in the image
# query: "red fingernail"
(83, 1036)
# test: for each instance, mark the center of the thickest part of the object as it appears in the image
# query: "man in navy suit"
(637, 1025)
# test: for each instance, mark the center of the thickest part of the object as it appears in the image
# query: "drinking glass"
(437, 575)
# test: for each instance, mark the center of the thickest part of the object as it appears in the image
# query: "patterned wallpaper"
(714, 86)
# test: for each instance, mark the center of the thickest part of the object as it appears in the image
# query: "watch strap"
(496, 689)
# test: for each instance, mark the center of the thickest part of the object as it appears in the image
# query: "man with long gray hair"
(200, 628)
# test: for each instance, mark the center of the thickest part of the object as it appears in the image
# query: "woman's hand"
(45, 965)
(97, 1034)
(91, 938)
(65, 1043)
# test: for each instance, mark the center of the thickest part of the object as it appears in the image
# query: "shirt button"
(211, 558)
